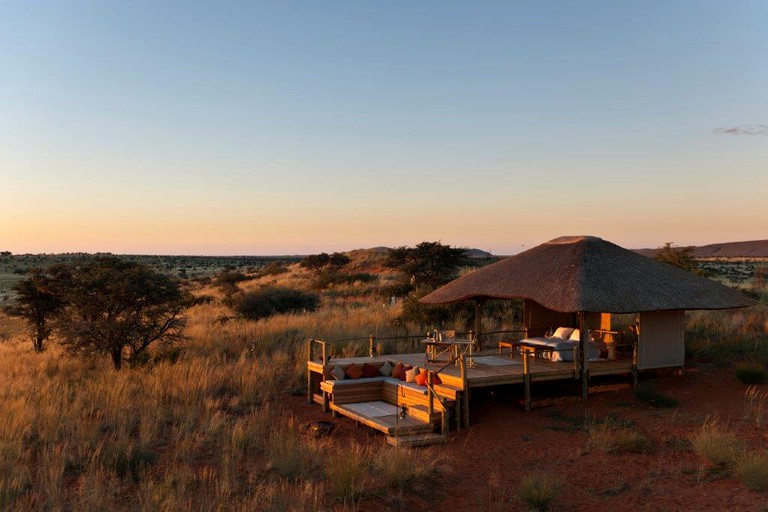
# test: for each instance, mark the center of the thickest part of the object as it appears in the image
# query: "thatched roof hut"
(588, 274)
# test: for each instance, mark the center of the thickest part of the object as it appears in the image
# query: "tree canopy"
(37, 302)
(429, 264)
(681, 257)
(112, 306)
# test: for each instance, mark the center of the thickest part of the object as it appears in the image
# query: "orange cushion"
(398, 372)
(421, 379)
(354, 371)
(370, 371)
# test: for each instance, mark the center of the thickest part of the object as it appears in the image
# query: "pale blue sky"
(295, 127)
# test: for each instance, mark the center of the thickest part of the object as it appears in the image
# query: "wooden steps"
(411, 441)
(390, 424)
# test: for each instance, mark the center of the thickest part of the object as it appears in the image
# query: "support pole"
(464, 391)
(371, 339)
(583, 352)
(430, 396)
(634, 360)
(310, 342)
(526, 353)
(479, 322)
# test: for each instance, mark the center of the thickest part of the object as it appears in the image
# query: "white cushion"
(410, 375)
(386, 369)
(575, 335)
(338, 373)
(563, 332)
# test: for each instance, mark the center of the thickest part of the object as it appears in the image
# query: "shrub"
(608, 439)
(273, 269)
(648, 393)
(345, 471)
(752, 469)
(538, 491)
(271, 300)
(754, 405)
(715, 444)
(750, 373)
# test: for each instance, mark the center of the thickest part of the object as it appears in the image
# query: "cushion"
(421, 378)
(338, 373)
(575, 335)
(563, 332)
(398, 371)
(354, 372)
(370, 371)
(410, 374)
(386, 369)
(436, 379)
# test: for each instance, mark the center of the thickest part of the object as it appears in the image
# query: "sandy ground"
(483, 465)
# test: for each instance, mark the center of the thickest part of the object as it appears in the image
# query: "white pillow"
(386, 369)
(410, 375)
(575, 335)
(338, 373)
(563, 332)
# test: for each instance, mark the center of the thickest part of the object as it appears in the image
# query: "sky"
(294, 127)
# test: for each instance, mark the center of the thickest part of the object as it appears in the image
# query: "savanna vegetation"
(211, 423)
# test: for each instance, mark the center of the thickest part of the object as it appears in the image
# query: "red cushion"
(406, 367)
(354, 371)
(436, 379)
(398, 372)
(370, 371)
(421, 378)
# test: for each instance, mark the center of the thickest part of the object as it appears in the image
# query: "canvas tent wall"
(662, 340)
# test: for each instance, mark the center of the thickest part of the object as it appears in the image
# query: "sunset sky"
(298, 127)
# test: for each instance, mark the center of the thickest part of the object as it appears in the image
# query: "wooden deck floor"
(489, 369)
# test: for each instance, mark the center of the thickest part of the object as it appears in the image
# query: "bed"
(563, 344)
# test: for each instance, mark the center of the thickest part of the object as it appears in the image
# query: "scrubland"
(216, 425)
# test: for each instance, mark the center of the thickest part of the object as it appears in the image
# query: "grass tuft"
(716, 444)
(538, 491)
(752, 470)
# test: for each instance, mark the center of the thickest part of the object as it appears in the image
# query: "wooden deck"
(490, 369)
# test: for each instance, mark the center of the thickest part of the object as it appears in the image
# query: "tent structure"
(582, 279)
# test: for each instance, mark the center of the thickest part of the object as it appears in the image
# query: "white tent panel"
(662, 340)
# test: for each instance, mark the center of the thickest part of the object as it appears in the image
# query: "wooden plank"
(411, 441)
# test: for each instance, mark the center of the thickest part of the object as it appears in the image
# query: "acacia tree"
(114, 306)
(681, 257)
(429, 264)
(37, 303)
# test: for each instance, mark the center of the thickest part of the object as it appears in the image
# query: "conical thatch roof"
(586, 273)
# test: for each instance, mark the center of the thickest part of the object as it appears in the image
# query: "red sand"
(484, 464)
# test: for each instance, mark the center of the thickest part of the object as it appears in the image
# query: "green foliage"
(113, 306)
(681, 257)
(751, 373)
(37, 302)
(315, 263)
(648, 393)
(273, 300)
(429, 264)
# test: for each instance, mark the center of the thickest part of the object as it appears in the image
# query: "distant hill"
(479, 253)
(752, 249)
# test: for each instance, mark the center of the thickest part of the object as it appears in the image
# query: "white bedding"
(563, 349)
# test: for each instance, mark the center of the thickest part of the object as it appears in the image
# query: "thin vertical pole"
(479, 322)
(370, 345)
(464, 391)
(310, 342)
(583, 352)
(527, 377)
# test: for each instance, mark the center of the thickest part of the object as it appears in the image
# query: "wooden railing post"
(371, 340)
(464, 391)
(526, 352)
(430, 395)
(634, 361)
(310, 343)
(324, 355)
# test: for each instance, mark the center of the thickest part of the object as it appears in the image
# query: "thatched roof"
(586, 273)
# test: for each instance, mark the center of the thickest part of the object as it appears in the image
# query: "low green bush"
(648, 393)
(750, 373)
(273, 300)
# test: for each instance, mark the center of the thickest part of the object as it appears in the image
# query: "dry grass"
(752, 470)
(755, 405)
(716, 443)
(609, 438)
(539, 491)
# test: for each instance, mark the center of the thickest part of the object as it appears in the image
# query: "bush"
(273, 300)
(715, 444)
(538, 491)
(752, 469)
(273, 269)
(609, 439)
(648, 393)
(750, 373)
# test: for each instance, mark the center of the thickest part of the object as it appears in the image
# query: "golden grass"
(539, 491)
(716, 443)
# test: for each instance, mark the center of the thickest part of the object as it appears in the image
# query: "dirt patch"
(483, 465)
